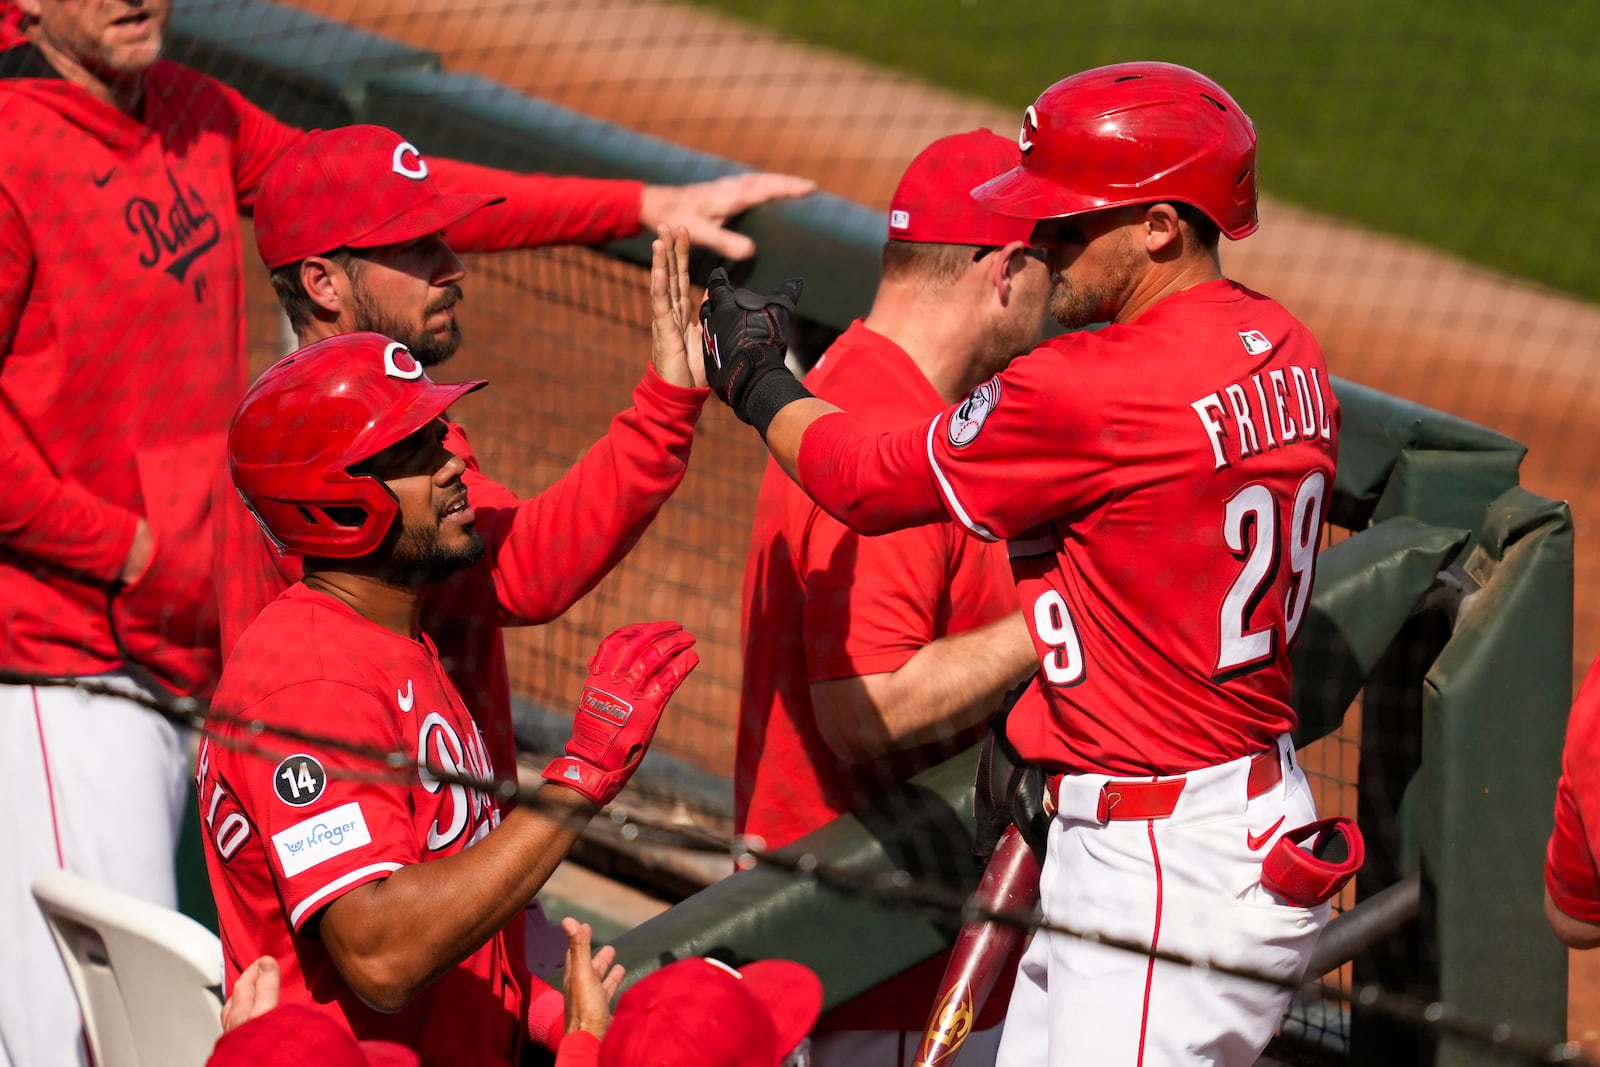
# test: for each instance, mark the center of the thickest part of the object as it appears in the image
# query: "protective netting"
(562, 334)
(1353, 1013)
(1378, 115)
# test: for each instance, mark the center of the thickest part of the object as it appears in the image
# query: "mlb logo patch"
(1255, 342)
(899, 220)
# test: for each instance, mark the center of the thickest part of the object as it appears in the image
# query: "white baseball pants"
(95, 785)
(1190, 884)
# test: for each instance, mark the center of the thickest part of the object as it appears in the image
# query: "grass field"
(1468, 125)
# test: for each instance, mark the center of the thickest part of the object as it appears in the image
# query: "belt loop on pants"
(1132, 798)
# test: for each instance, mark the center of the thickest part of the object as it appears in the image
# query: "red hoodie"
(122, 349)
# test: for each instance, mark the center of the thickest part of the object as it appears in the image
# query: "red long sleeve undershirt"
(872, 483)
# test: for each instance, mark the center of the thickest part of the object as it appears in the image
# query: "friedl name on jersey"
(1265, 411)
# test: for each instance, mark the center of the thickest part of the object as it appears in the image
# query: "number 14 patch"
(299, 780)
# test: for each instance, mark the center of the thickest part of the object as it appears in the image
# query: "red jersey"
(121, 355)
(291, 825)
(1570, 872)
(1162, 486)
(546, 552)
(864, 605)
(122, 345)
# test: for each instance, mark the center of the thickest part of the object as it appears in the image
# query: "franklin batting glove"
(746, 338)
(631, 678)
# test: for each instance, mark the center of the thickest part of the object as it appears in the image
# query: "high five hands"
(675, 344)
(739, 341)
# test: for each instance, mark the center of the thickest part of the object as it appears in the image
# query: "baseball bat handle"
(1010, 884)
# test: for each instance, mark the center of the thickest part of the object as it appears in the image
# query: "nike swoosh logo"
(1255, 841)
(409, 698)
(100, 181)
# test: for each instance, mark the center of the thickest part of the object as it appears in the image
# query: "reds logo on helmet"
(1030, 126)
(312, 416)
(1132, 133)
(398, 362)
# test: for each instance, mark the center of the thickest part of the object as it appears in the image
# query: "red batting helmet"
(1132, 133)
(313, 415)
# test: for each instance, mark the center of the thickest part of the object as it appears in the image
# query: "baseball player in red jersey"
(905, 642)
(120, 201)
(355, 241)
(350, 223)
(384, 897)
(1161, 485)
(1571, 875)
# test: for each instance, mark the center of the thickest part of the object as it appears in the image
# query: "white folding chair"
(149, 980)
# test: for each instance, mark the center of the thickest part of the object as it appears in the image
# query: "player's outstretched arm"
(872, 484)
(675, 327)
(600, 507)
(746, 342)
(704, 208)
(391, 939)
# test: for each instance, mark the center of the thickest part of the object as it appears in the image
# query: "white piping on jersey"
(949, 493)
(337, 884)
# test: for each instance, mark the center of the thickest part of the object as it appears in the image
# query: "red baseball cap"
(703, 1013)
(351, 187)
(297, 1036)
(933, 202)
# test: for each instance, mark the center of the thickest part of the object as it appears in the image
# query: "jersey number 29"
(1251, 529)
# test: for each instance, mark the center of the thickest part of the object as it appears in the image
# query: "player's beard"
(426, 348)
(1075, 306)
(418, 558)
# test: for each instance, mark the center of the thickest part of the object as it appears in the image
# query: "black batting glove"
(746, 337)
(1008, 790)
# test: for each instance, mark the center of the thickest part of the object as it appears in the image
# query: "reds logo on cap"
(328, 191)
(398, 362)
(416, 171)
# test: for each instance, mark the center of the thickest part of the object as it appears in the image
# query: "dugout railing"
(1445, 638)
(1434, 671)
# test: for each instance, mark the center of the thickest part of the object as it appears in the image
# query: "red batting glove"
(631, 678)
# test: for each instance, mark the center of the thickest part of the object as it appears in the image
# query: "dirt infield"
(1391, 315)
